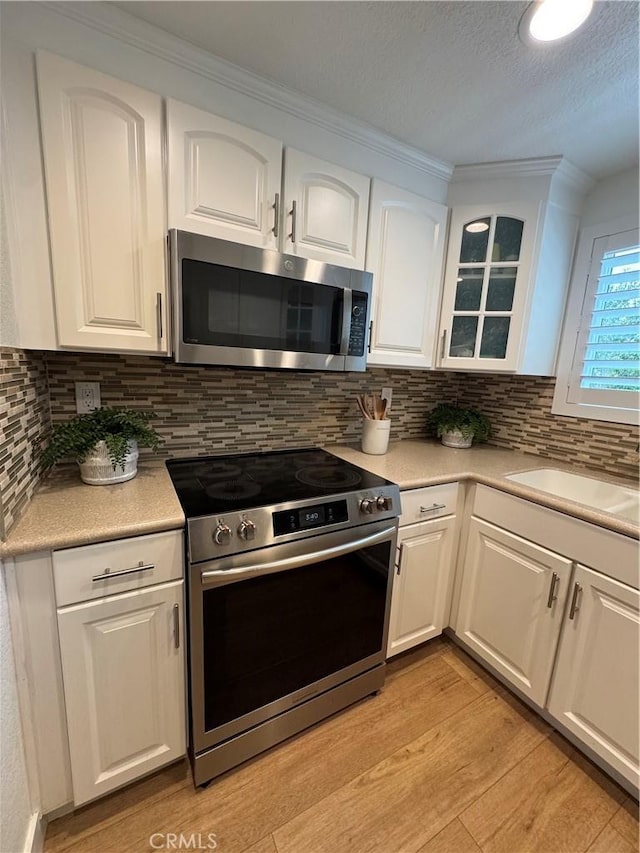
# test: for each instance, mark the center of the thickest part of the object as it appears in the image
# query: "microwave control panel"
(358, 330)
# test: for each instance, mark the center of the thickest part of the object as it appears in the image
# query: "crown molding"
(555, 167)
(145, 37)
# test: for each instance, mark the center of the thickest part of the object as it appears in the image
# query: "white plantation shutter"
(606, 364)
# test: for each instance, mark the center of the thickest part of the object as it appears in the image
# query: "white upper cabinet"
(325, 215)
(485, 296)
(102, 146)
(511, 239)
(405, 250)
(224, 179)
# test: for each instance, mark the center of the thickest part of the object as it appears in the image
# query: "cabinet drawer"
(143, 561)
(430, 502)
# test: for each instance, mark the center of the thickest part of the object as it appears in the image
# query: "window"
(599, 368)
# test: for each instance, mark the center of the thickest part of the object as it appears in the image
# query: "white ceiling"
(449, 77)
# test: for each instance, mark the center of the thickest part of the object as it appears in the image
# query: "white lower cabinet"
(123, 671)
(511, 604)
(595, 688)
(423, 579)
(421, 584)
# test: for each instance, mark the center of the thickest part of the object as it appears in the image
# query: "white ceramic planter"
(97, 469)
(456, 439)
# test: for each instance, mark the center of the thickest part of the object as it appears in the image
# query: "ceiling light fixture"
(550, 20)
(476, 227)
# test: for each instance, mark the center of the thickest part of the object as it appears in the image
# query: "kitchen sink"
(608, 497)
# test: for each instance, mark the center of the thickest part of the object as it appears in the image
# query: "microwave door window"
(237, 308)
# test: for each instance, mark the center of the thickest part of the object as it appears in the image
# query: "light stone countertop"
(65, 512)
(415, 463)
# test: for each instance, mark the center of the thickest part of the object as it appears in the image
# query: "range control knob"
(222, 534)
(247, 530)
(384, 503)
(367, 506)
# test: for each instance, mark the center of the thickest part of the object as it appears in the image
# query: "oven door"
(275, 627)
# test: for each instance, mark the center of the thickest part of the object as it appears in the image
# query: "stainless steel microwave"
(250, 307)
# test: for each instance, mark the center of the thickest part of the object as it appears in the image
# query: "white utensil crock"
(375, 436)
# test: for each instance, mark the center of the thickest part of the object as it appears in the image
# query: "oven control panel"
(304, 518)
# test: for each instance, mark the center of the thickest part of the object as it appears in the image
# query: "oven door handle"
(223, 576)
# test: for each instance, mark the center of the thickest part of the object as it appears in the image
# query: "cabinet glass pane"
(507, 239)
(469, 289)
(502, 284)
(494, 337)
(463, 337)
(475, 239)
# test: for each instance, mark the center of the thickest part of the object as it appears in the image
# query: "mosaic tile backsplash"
(520, 411)
(24, 420)
(222, 410)
(202, 410)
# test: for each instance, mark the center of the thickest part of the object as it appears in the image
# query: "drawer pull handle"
(552, 589)
(107, 575)
(432, 508)
(577, 589)
(176, 626)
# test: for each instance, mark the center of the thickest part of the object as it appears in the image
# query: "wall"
(15, 800)
(222, 410)
(611, 198)
(24, 420)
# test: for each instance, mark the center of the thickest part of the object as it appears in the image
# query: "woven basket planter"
(98, 469)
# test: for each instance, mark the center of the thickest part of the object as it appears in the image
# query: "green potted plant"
(458, 426)
(104, 442)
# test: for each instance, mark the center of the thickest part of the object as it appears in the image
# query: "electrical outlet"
(87, 397)
(387, 394)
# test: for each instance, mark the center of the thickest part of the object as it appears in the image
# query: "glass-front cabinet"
(486, 282)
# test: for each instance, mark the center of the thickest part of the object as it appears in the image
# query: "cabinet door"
(421, 584)
(595, 687)
(487, 287)
(224, 179)
(123, 670)
(102, 145)
(511, 604)
(326, 211)
(405, 249)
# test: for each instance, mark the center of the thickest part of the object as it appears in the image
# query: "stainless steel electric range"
(290, 562)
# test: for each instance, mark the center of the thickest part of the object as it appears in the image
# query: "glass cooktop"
(211, 485)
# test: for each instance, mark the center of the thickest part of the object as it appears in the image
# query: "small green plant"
(449, 418)
(116, 427)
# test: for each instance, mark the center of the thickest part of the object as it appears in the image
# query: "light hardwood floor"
(445, 760)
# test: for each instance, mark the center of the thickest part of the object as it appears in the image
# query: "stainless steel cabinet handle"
(577, 590)
(399, 569)
(552, 589)
(159, 314)
(443, 344)
(176, 626)
(294, 206)
(370, 336)
(276, 215)
(107, 575)
(432, 508)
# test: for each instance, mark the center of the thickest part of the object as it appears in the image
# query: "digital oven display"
(294, 520)
(311, 516)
